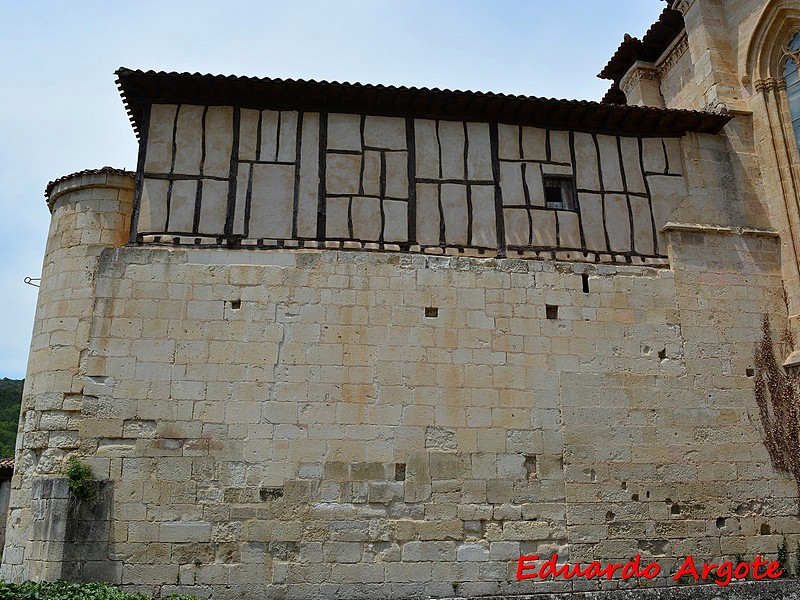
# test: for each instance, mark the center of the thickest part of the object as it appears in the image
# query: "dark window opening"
(558, 192)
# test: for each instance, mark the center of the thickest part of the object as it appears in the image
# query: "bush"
(81, 479)
(62, 590)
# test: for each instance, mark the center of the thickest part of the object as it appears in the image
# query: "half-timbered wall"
(223, 175)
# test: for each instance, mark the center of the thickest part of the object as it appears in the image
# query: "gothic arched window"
(792, 77)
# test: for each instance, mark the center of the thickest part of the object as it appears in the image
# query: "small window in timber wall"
(558, 192)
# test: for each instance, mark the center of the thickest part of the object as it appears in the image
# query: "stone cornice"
(640, 71)
(672, 55)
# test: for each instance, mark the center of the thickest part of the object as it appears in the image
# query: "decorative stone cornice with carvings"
(672, 55)
(640, 71)
(683, 5)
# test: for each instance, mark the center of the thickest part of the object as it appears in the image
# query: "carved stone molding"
(639, 72)
(672, 55)
(769, 84)
(683, 5)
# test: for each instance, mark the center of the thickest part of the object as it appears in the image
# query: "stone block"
(429, 551)
(473, 552)
(526, 530)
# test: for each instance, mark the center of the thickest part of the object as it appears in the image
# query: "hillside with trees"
(10, 400)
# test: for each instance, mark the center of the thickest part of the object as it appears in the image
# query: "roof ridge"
(140, 88)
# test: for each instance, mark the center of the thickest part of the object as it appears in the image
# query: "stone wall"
(309, 423)
(267, 178)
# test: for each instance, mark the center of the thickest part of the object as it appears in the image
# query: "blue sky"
(60, 111)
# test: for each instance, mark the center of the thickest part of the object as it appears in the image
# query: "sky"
(60, 111)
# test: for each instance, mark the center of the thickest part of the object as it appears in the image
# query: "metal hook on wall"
(30, 280)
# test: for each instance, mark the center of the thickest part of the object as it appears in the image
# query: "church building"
(337, 340)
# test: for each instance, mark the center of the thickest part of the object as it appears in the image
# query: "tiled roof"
(100, 171)
(7, 463)
(649, 48)
(140, 89)
(614, 95)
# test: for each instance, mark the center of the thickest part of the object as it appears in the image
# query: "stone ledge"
(719, 229)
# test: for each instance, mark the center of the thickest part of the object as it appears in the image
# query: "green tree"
(10, 400)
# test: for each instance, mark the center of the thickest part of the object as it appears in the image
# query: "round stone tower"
(91, 212)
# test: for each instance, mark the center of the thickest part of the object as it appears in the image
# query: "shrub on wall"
(62, 590)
